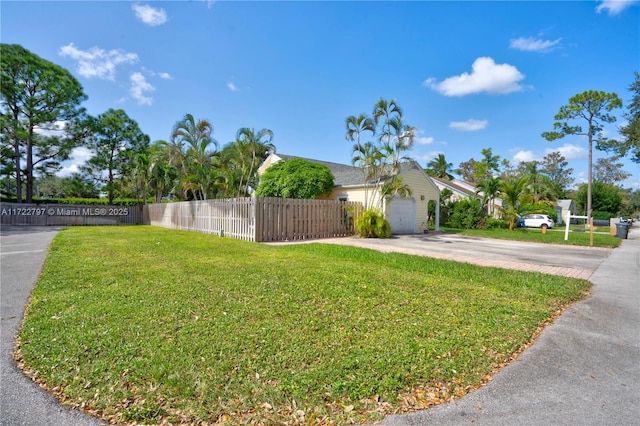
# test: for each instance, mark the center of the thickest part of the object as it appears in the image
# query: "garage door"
(401, 214)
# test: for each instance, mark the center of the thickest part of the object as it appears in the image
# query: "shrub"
(495, 224)
(466, 214)
(539, 209)
(372, 224)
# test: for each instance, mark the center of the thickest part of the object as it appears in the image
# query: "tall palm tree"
(195, 149)
(162, 174)
(371, 160)
(385, 110)
(401, 142)
(440, 168)
(355, 127)
(251, 148)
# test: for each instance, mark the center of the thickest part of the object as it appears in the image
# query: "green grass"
(148, 325)
(601, 238)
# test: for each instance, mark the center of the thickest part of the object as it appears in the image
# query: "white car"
(538, 221)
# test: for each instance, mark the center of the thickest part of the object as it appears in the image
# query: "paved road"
(23, 251)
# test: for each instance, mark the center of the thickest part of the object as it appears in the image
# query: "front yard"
(149, 325)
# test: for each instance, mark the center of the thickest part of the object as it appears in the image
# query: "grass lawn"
(148, 325)
(601, 237)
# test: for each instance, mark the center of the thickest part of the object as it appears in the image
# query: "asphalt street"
(22, 402)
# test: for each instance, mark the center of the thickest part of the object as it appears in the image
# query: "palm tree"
(355, 127)
(539, 186)
(440, 168)
(192, 144)
(402, 140)
(490, 189)
(512, 191)
(251, 149)
(371, 160)
(385, 110)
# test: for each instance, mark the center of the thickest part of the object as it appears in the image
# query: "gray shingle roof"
(346, 175)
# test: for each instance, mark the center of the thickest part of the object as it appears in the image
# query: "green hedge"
(81, 201)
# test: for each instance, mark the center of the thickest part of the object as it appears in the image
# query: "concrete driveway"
(572, 261)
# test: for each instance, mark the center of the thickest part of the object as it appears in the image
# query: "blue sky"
(468, 75)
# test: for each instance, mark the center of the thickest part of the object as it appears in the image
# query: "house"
(564, 208)
(407, 215)
(463, 189)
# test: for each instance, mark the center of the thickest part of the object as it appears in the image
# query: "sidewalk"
(583, 370)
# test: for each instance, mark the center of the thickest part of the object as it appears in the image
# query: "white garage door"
(401, 214)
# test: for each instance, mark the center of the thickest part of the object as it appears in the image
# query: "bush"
(372, 224)
(495, 224)
(466, 214)
(602, 215)
(539, 209)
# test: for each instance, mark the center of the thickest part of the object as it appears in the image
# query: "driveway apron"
(584, 369)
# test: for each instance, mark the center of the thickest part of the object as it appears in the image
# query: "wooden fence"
(68, 215)
(259, 219)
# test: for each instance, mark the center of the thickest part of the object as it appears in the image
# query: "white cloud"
(79, 156)
(470, 125)
(51, 129)
(486, 76)
(569, 152)
(139, 88)
(523, 157)
(165, 76)
(424, 140)
(149, 15)
(232, 87)
(530, 44)
(96, 62)
(614, 7)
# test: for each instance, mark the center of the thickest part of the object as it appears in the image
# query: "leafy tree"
(555, 166)
(467, 170)
(295, 178)
(607, 199)
(116, 140)
(439, 167)
(631, 132)
(467, 214)
(36, 95)
(488, 166)
(594, 108)
(609, 171)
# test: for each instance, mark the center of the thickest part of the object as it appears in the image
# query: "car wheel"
(544, 226)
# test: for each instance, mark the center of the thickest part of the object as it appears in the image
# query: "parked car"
(538, 221)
